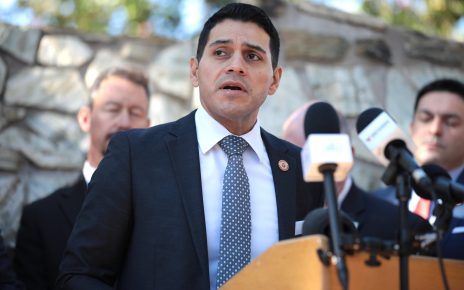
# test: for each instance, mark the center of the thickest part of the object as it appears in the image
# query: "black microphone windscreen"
(433, 171)
(451, 192)
(366, 117)
(321, 118)
(317, 222)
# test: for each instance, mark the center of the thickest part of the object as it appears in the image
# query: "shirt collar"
(88, 171)
(210, 132)
(346, 188)
(454, 173)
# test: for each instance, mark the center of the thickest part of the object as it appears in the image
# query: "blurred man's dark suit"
(8, 280)
(453, 240)
(45, 227)
(378, 218)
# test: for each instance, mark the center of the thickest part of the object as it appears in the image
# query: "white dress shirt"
(213, 162)
(88, 171)
(346, 188)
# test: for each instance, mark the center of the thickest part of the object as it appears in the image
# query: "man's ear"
(194, 71)
(84, 117)
(275, 80)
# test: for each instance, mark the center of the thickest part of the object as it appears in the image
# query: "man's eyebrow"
(112, 103)
(423, 111)
(451, 116)
(441, 115)
(255, 47)
(247, 44)
(220, 41)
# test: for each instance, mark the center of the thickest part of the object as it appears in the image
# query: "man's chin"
(430, 158)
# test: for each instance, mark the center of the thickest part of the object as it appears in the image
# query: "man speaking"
(186, 205)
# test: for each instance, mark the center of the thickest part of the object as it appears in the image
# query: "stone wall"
(354, 62)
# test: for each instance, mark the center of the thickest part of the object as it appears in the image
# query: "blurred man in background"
(119, 100)
(372, 216)
(437, 130)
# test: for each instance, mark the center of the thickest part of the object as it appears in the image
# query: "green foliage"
(429, 16)
(142, 17)
(95, 15)
(147, 16)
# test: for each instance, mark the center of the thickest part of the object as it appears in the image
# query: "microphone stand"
(394, 175)
(444, 214)
(335, 228)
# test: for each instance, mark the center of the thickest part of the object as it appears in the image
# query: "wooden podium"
(295, 265)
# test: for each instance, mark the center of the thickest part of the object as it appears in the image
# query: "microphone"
(380, 134)
(317, 222)
(326, 154)
(324, 144)
(448, 190)
(321, 118)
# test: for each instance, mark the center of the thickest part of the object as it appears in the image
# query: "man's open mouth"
(234, 88)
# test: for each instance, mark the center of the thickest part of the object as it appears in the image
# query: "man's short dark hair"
(245, 13)
(134, 76)
(441, 85)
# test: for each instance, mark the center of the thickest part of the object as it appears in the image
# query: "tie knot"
(233, 145)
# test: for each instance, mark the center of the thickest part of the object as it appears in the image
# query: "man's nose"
(123, 121)
(436, 126)
(236, 64)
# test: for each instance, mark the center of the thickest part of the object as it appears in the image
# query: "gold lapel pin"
(283, 165)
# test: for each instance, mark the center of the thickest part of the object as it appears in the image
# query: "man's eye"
(452, 122)
(253, 56)
(219, 52)
(136, 114)
(112, 109)
(424, 118)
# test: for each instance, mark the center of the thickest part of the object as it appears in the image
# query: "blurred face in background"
(117, 105)
(438, 129)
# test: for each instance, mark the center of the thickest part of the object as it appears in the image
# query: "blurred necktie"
(423, 208)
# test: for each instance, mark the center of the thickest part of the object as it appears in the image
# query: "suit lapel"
(458, 210)
(71, 199)
(460, 178)
(182, 146)
(284, 183)
(354, 205)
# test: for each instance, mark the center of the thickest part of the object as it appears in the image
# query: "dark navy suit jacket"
(453, 240)
(389, 194)
(8, 279)
(142, 223)
(376, 217)
(44, 230)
